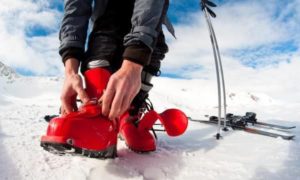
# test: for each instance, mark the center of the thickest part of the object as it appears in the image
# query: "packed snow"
(195, 155)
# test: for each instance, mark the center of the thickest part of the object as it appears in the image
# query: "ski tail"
(270, 134)
(275, 125)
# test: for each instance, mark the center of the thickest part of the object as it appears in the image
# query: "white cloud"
(18, 18)
(240, 25)
(244, 25)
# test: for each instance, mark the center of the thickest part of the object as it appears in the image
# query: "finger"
(131, 98)
(67, 108)
(82, 95)
(126, 104)
(65, 111)
(116, 106)
(107, 100)
(100, 100)
(66, 104)
(62, 111)
(116, 123)
(74, 105)
(78, 87)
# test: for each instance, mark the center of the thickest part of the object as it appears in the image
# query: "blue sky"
(253, 57)
(274, 34)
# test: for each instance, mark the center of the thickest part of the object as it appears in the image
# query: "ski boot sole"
(62, 149)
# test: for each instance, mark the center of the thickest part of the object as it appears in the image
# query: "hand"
(72, 87)
(122, 87)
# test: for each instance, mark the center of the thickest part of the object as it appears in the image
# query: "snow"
(194, 155)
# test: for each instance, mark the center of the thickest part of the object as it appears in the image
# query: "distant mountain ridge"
(7, 72)
(10, 76)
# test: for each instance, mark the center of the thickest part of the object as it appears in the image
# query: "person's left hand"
(121, 89)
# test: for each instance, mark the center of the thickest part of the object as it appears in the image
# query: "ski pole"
(218, 64)
(222, 72)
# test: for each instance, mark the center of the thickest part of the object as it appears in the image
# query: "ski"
(250, 118)
(263, 125)
(205, 121)
(275, 126)
(270, 134)
(243, 126)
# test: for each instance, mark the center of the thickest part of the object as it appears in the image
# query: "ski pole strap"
(204, 6)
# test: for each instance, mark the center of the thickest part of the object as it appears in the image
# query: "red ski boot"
(135, 130)
(86, 131)
(137, 139)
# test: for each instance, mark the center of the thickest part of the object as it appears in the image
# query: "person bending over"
(126, 37)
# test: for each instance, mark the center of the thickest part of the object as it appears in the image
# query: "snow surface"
(194, 155)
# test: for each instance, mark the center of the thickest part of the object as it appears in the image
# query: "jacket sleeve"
(147, 19)
(74, 27)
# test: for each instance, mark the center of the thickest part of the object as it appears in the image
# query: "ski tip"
(286, 137)
(290, 137)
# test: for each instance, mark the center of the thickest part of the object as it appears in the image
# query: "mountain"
(7, 73)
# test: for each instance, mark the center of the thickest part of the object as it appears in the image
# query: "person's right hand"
(72, 88)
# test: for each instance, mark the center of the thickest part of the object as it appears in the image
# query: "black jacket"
(147, 19)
